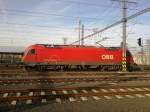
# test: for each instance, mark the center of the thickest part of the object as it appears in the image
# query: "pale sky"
(26, 22)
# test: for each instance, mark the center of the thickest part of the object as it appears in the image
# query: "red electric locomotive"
(67, 57)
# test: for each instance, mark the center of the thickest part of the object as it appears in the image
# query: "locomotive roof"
(51, 45)
(54, 45)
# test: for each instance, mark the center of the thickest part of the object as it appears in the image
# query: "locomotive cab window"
(32, 51)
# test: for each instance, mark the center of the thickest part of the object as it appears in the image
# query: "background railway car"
(8, 58)
(66, 57)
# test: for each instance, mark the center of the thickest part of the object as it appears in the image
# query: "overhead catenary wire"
(42, 14)
(47, 26)
(90, 4)
(105, 12)
(42, 26)
(116, 23)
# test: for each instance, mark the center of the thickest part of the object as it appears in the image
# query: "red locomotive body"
(83, 57)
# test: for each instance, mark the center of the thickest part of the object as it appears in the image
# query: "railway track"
(14, 73)
(75, 79)
(19, 69)
(71, 94)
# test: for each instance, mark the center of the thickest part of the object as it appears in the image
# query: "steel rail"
(77, 95)
(35, 73)
(71, 79)
(68, 88)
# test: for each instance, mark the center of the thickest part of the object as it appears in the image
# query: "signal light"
(139, 41)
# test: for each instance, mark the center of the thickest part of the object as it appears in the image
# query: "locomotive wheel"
(79, 67)
(28, 68)
(98, 68)
(66, 67)
(86, 67)
(62, 68)
(102, 68)
(40, 68)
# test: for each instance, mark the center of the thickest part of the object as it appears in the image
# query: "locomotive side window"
(32, 51)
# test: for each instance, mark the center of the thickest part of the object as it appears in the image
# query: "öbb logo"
(107, 57)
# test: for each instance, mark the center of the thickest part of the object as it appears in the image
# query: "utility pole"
(124, 32)
(79, 31)
(124, 35)
(65, 41)
(82, 40)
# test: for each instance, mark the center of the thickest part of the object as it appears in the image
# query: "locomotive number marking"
(107, 57)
